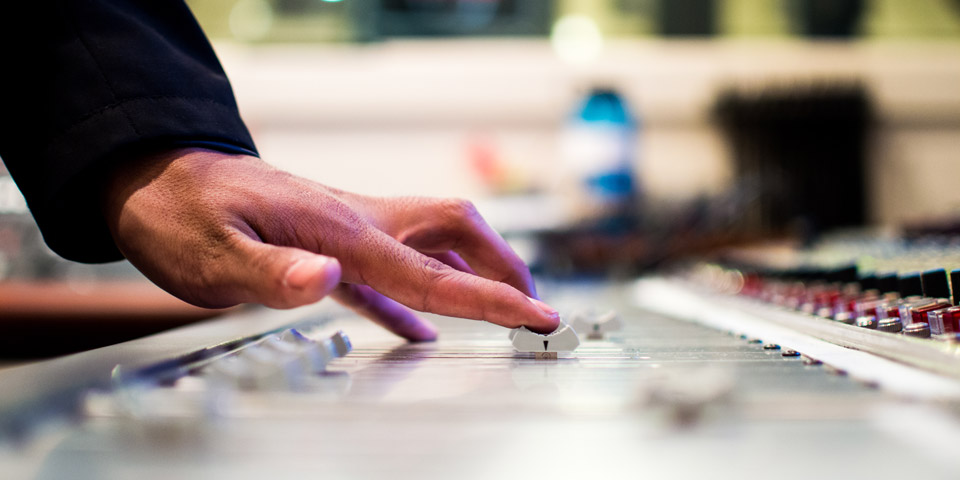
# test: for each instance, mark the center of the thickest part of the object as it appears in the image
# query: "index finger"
(427, 284)
(457, 225)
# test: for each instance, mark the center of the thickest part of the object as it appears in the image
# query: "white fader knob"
(563, 339)
(597, 324)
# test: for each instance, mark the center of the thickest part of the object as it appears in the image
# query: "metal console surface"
(662, 398)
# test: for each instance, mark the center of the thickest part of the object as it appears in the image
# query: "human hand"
(216, 230)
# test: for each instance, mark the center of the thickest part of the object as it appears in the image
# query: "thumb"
(284, 277)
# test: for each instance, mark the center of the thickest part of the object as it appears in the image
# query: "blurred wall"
(400, 117)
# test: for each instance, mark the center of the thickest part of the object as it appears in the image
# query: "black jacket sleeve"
(87, 83)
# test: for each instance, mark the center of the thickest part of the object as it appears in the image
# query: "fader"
(596, 324)
(563, 339)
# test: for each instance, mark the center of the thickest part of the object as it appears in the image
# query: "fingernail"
(545, 308)
(302, 272)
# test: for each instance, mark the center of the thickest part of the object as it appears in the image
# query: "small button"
(867, 321)
(811, 361)
(918, 330)
(891, 325)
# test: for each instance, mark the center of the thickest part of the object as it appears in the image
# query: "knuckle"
(434, 269)
(342, 225)
(460, 209)
(434, 274)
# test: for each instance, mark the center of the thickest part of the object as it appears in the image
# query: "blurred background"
(602, 138)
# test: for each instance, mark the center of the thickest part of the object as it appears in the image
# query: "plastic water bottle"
(598, 150)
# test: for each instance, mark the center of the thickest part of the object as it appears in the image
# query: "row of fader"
(278, 362)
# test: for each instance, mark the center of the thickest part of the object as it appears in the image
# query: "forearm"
(94, 84)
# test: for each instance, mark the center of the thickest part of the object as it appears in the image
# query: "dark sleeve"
(88, 83)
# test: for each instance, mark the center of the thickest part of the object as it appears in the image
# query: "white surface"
(664, 398)
(394, 118)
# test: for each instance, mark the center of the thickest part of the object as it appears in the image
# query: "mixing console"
(673, 381)
(892, 287)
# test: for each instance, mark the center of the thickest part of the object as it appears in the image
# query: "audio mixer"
(760, 362)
